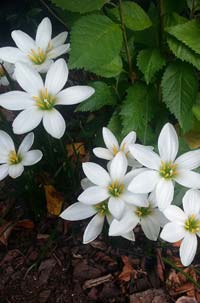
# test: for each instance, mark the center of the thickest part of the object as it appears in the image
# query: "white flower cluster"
(138, 188)
(39, 99)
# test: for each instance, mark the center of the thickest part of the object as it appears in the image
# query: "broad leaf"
(103, 96)
(111, 69)
(115, 125)
(149, 61)
(179, 89)
(95, 42)
(80, 6)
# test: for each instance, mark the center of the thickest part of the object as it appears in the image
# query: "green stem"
(52, 13)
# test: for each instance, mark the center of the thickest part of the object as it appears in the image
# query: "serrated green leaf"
(138, 109)
(111, 69)
(80, 6)
(188, 33)
(150, 61)
(95, 42)
(102, 96)
(135, 17)
(179, 89)
(115, 125)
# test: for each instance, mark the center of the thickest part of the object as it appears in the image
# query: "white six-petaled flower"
(184, 225)
(111, 186)
(12, 161)
(39, 52)
(165, 170)
(39, 99)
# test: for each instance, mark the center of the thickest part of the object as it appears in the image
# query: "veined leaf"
(111, 69)
(95, 42)
(80, 6)
(150, 61)
(179, 88)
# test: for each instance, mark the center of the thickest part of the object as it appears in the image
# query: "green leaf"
(138, 109)
(115, 125)
(188, 33)
(179, 89)
(111, 69)
(95, 42)
(150, 61)
(80, 6)
(135, 17)
(102, 96)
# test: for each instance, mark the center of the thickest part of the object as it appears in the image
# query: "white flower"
(113, 147)
(5, 67)
(39, 99)
(184, 225)
(39, 52)
(112, 186)
(12, 162)
(150, 218)
(165, 169)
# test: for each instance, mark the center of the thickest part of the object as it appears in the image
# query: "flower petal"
(32, 157)
(129, 236)
(110, 140)
(28, 78)
(96, 174)
(43, 34)
(93, 229)
(59, 39)
(16, 100)
(116, 207)
(103, 153)
(133, 173)
(3, 171)
(56, 76)
(188, 249)
(188, 178)
(189, 160)
(93, 195)
(145, 156)
(150, 227)
(172, 232)
(175, 213)
(58, 51)
(164, 193)
(54, 123)
(130, 138)
(118, 166)
(27, 120)
(168, 143)
(144, 182)
(125, 225)
(12, 54)
(23, 41)
(75, 94)
(26, 143)
(135, 199)
(78, 211)
(6, 142)
(15, 170)
(191, 202)
(85, 183)
(44, 67)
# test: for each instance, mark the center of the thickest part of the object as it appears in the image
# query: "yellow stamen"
(115, 188)
(168, 170)
(192, 224)
(115, 150)
(13, 157)
(45, 101)
(37, 56)
(2, 72)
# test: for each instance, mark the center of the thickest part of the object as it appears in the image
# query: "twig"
(53, 14)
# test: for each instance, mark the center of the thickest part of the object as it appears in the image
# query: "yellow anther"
(115, 188)
(168, 170)
(13, 157)
(37, 56)
(192, 224)
(45, 101)
(115, 150)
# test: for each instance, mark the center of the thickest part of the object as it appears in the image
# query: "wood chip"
(94, 282)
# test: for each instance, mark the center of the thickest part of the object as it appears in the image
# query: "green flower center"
(115, 189)
(143, 211)
(102, 208)
(45, 101)
(168, 170)
(192, 224)
(14, 158)
(2, 72)
(37, 56)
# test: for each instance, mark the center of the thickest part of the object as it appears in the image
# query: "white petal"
(130, 138)
(12, 54)
(44, 67)
(116, 207)
(26, 143)
(129, 236)
(28, 78)
(96, 174)
(16, 100)
(125, 225)
(175, 213)
(78, 211)
(191, 202)
(103, 153)
(23, 41)
(27, 120)
(58, 51)
(188, 249)
(164, 193)
(189, 160)
(150, 227)
(59, 39)
(159, 216)
(118, 166)
(32, 157)
(85, 183)
(135, 199)
(6, 142)
(110, 140)
(188, 178)
(93, 195)
(93, 229)
(43, 34)
(145, 156)
(54, 123)
(172, 232)
(15, 170)
(75, 94)
(144, 182)
(3, 171)
(56, 76)
(168, 143)
(133, 173)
